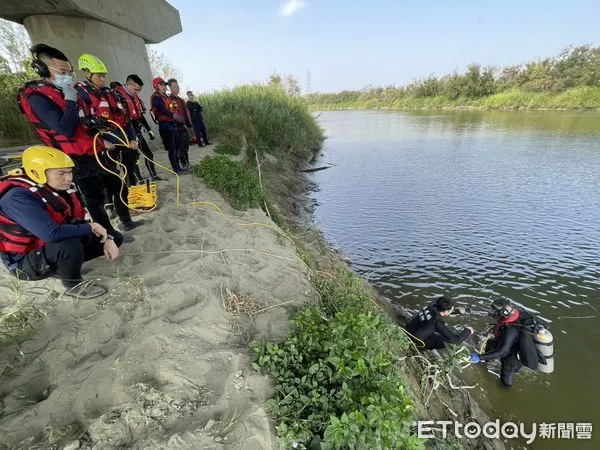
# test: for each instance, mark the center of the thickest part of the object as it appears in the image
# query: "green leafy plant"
(337, 377)
(238, 184)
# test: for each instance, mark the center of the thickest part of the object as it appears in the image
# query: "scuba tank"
(544, 343)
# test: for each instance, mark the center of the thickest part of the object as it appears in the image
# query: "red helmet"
(158, 81)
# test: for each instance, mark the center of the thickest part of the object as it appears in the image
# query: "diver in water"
(512, 342)
(429, 328)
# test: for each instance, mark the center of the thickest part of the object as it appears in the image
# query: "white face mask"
(63, 81)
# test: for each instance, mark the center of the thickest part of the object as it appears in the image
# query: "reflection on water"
(479, 205)
(567, 122)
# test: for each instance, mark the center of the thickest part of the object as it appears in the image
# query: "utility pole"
(307, 82)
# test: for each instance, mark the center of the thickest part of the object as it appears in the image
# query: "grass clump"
(228, 148)
(234, 180)
(262, 118)
(17, 319)
(345, 291)
(336, 373)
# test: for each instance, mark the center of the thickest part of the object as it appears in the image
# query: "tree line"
(574, 67)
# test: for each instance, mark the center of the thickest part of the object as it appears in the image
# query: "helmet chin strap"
(89, 80)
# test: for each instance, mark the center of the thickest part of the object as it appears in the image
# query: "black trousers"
(183, 141)
(64, 258)
(93, 180)
(129, 158)
(170, 141)
(200, 130)
(145, 149)
(434, 342)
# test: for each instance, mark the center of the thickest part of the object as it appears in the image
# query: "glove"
(70, 93)
(94, 122)
(151, 134)
(474, 358)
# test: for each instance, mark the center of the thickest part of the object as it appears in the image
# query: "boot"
(128, 226)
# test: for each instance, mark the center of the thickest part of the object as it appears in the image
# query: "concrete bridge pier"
(116, 31)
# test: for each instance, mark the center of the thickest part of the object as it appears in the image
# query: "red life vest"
(102, 103)
(132, 103)
(181, 109)
(514, 317)
(81, 143)
(62, 209)
(170, 105)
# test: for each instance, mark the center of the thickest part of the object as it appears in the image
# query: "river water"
(479, 205)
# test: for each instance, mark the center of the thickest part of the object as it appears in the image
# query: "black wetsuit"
(514, 348)
(428, 326)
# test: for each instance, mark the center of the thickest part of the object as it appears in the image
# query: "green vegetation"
(252, 121)
(238, 184)
(570, 80)
(14, 129)
(228, 148)
(261, 118)
(14, 72)
(337, 377)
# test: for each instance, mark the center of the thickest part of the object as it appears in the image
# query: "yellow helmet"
(91, 63)
(39, 158)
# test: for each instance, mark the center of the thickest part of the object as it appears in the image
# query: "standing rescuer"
(50, 103)
(165, 113)
(196, 113)
(135, 107)
(184, 122)
(129, 157)
(44, 226)
(100, 105)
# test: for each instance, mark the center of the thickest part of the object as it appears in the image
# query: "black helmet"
(501, 308)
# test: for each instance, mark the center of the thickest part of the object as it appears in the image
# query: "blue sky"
(350, 45)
